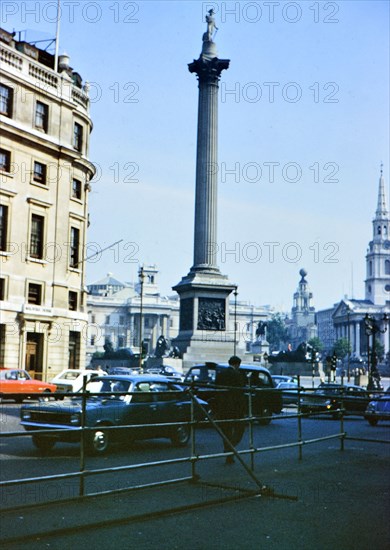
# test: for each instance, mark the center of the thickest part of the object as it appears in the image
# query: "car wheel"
(45, 396)
(43, 443)
(98, 441)
(180, 436)
(264, 413)
(373, 421)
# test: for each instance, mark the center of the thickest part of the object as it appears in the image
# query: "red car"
(17, 384)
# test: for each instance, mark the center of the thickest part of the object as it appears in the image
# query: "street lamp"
(141, 280)
(235, 319)
(349, 344)
(372, 328)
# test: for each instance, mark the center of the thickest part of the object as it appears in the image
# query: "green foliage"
(276, 332)
(316, 343)
(342, 347)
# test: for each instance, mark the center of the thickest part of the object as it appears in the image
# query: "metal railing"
(193, 423)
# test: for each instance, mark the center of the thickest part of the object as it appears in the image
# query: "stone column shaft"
(205, 227)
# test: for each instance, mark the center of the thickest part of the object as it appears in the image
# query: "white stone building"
(348, 316)
(114, 310)
(45, 175)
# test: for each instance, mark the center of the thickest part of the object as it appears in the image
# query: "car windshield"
(69, 375)
(107, 385)
(201, 374)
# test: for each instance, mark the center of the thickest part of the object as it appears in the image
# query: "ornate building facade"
(115, 314)
(348, 316)
(302, 325)
(45, 175)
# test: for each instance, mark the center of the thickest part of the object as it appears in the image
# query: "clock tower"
(378, 253)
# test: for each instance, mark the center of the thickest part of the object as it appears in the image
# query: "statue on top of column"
(208, 35)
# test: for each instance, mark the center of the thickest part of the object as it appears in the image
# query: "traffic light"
(333, 362)
(144, 350)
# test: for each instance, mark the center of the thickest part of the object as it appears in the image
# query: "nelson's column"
(204, 293)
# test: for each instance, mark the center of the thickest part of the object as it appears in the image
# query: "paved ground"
(342, 502)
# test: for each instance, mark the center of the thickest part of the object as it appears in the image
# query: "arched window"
(370, 268)
(387, 267)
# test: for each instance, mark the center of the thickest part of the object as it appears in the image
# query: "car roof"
(331, 385)
(134, 378)
(243, 366)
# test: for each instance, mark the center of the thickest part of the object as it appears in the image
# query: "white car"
(71, 380)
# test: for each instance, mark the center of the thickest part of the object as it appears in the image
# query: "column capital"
(208, 70)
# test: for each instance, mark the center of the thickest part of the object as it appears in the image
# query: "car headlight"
(26, 415)
(75, 419)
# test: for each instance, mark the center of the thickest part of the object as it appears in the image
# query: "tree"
(316, 343)
(342, 347)
(276, 332)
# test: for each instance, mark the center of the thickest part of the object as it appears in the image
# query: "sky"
(303, 129)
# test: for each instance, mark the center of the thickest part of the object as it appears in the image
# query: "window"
(41, 116)
(74, 247)
(76, 189)
(72, 300)
(36, 238)
(3, 226)
(39, 172)
(92, 341)
(2, 288)
(77, 136)
(34, 294)
(5, 160)
(387, 267)
(121, 319)
(107, 319)
(6, 100)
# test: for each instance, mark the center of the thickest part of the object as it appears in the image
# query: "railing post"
(251, 420)
(299, 419)
(342, 420)
(82, 439)
(193, 459)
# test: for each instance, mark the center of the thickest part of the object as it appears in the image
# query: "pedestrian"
(231, 403)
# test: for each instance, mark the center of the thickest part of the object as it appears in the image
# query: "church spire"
(381, 211)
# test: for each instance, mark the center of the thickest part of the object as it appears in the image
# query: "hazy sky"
(303, 128)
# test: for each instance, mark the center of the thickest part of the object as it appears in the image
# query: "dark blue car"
(378, 409)
(115, 401)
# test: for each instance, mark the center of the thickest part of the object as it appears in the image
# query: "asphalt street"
(329, 499)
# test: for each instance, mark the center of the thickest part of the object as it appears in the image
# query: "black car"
(330, 398)
(378, 409)
(115, 401)
(258, 382)
(288, 386)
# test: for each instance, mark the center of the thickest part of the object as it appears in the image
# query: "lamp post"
(372, 327)
(349, 345)
(235, 319)
(141, 281)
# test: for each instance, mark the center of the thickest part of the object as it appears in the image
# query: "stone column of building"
(204, 292)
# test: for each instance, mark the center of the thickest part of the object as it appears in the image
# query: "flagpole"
(57, 36)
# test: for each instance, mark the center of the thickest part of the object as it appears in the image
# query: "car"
(18, 385)
(115, 401)
(288, 385)
(71, 380)
(329, 397)
(378, 409)
(265, 399)
(278, 378)
(166, 370)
